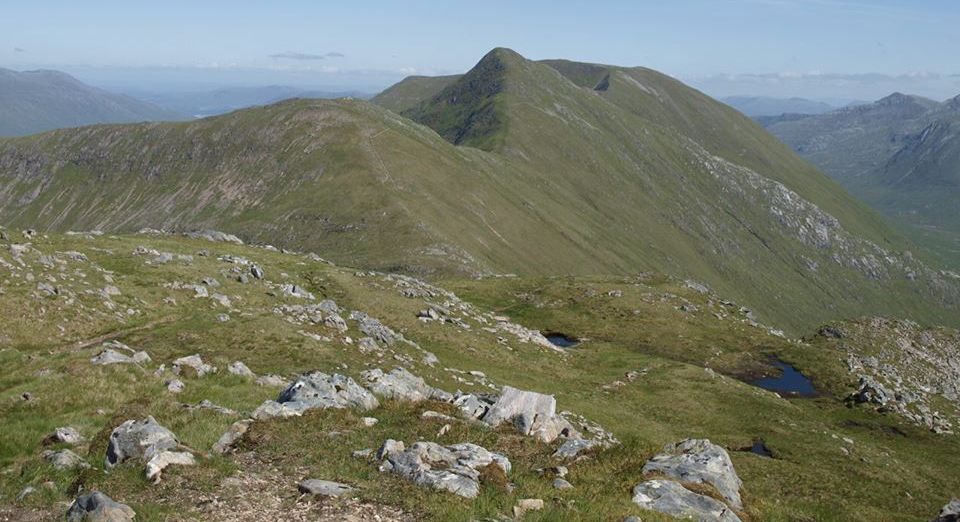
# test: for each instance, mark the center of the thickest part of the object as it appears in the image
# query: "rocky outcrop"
(196, 365)
(454, 468)
(699, 461)
(402, 385)
(63, 435)
(65, 460)
(139, 439)
(97, 507)
(669, 497)
(532, 413)
(949, 512)
(317, 390)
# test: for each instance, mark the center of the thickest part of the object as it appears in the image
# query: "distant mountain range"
(755, 106)
(901, 154)
(538, 168)
(36, 101)
(210, 103)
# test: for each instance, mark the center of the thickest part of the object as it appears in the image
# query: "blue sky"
(819, 48)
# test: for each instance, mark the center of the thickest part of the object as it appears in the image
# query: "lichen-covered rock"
(699, 461)
(195, 363)
(324, 488)
(230, 437)
(572, 448)
(950, 512)
(452, 468)
(138, 439)
(164, 459)
(402, 385)
(65, 459)
(318, 390)
(669, 497)
(532, 413)
(97, 507)
(63, 435)
(238, 368)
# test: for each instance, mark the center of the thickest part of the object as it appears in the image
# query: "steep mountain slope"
(35, 101)
(899, 154)
(412, 90)
(754, 106)
(547, 168)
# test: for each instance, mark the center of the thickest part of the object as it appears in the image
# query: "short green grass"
(894, 471)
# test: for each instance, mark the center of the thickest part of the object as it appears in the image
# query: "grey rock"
(238, 368)
(175, 386)
(452, 468)
(164, 459)
(950, 512)
(256, 272)
(323, 488)
(402, 385)
(699, 461)
(195, 362)
(368, 345)
(382, 333)
(871, 391)
(671, 498)
(318, 390)
(472, 405)
(214, 235)
(65, 459)
(138, 439)
(206, 404)
(97, 507)
(572, 448)
(559, 483)
(530, 412)
(270, 380)
(230, 437)
(63, 435)
(47, 288)
(25, 492)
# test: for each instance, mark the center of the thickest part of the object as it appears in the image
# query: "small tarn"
(790, 382)
(561, 340)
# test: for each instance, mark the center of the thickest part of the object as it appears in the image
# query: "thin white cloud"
(294, 55)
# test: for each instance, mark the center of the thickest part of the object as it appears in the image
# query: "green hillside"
(533, 168)
(657, 362)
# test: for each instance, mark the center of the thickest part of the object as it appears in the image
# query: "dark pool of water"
(562, 340)
(759, 448)
(790, 382)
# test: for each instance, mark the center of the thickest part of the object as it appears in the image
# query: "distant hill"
(901, 154)
(412, 91)
(36, 101)
(755, 106)
(533, 168)
(220, 101)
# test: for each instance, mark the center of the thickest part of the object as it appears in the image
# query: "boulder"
(65, 459)
(527, 504)
(318, 390)
(452, 468)
(671, 498)
(163, 459)
(571, 448)
(63, 435)
(238, 368)
(214, 235)
(402, 385)
(950, 512)
(111, 356)
(97, 507)
(559, 483)
(871, 391)
(256, 272)
(374, 328)
(699, 461)
(139, 439)
(471, 405)
(226, 441)
(195, 362)
(530, 412)
(324, 488)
